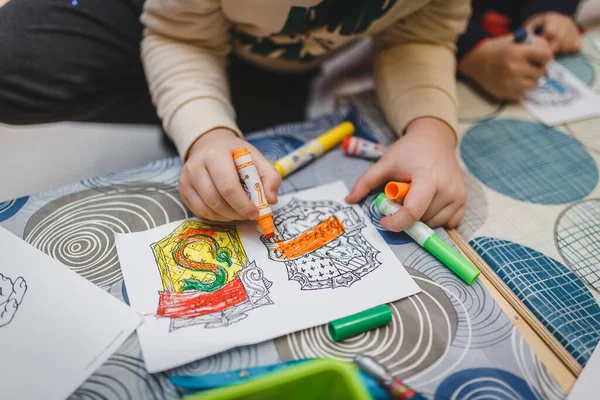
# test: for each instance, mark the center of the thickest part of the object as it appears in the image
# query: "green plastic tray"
(318, 379)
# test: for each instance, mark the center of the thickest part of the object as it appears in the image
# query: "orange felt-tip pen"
(253, 186)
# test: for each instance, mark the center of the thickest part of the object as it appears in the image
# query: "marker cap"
(396, 190)
(452, 259)
(334, 136)
(346, 144)
(265, 222)
(240, 153)
(353, 325)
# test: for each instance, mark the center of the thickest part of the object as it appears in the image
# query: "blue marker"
(522, 36)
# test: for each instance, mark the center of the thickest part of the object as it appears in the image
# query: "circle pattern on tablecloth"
(275, 147)
(477, 209)
(78, 229)
(165, 171)
(577, 235)
(474, 105)
(421, 332)
(529, 162)
(579, 66)
(587, 132)
(553, 293)
(479, 326)
(11, 207)
(484, 383)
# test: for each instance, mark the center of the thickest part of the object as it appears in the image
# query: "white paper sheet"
(561, 97)
(586, 386)
(56, 328)
(350, 273)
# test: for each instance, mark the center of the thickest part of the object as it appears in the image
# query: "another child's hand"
(209, 184)
(424, 156)
(559, 30)
(506, 69)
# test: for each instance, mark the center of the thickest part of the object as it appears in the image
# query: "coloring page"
(561, 97)
(207, 287)
(56, 328)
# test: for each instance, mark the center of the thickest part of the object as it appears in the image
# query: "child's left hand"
(425, 157)
(559, 30)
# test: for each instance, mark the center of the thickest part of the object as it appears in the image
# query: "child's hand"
(209, 184)
(424, 156)
(506, 69)
(559, 30)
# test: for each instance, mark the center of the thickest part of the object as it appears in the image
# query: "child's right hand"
(209, 184)
(506, 69)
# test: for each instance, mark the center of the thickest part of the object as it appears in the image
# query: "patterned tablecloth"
(533, 210)
(450, 341)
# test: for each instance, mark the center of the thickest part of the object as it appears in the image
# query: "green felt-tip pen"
(430, 241)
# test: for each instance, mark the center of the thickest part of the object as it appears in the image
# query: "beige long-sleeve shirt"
(186, 44)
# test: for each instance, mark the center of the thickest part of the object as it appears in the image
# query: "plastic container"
(314, 380)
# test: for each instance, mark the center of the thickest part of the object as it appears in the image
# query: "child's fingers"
(437, 205)
(271, 179)
(204, 185)
(373, 177)
(227, 181)
(458, 215)
(443, 216)
(571, 42)
(415, 204)
(192, 200)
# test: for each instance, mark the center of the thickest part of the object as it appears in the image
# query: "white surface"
(586, 387)
(293, 309)
(63, 329)
(577, 101)
(40, 157)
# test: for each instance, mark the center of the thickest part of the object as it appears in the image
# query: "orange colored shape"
(181, 259)
(261, 197)
(396, 190)
(244, 165)
(195, 304)
(311, 239)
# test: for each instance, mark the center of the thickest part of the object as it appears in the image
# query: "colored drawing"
(206, 276)
(321, 244)
(11, 296)
(553, 91)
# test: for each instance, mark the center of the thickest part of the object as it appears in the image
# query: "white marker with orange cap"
(253, 186)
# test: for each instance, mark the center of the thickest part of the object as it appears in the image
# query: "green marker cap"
(353, 325)
(452, 259)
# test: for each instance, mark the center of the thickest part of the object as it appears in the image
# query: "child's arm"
(184, 51)
(414, 70)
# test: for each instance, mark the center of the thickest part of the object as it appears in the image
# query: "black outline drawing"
(11, 297)
(340, 262)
